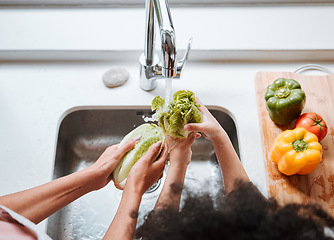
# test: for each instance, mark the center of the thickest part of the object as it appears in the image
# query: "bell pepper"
(285, 100)
(296, 151)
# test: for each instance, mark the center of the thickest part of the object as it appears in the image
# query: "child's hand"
(180, 149)
(145, 172)
(209, 128)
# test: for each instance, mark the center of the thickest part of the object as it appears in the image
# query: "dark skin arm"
(229, 161)
(142, 175)
(180, 157)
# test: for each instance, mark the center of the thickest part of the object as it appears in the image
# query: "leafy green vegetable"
(180, 111)
(150, 134)
(158, 102)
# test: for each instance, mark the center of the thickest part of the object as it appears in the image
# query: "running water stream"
(168, 92)
(168, 97)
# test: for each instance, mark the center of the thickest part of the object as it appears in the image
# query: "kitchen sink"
(85, 132)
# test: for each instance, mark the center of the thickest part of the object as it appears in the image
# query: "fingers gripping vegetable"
(296, 151)
(150, 134)
(313, 123)
(285, 100)
(180, 111)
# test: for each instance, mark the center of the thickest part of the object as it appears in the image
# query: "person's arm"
(142, 175)
(180, 157)
(36, 204)
(229, 161)
(124, 223)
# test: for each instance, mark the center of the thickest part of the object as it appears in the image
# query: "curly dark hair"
(242, 214)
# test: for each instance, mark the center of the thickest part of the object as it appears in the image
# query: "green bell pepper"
(285, 100)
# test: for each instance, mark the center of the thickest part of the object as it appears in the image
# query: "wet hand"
(210, 128)
(180, 149)
(145, 172)
(107, 162)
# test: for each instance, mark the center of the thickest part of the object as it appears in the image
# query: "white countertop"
(35, 94)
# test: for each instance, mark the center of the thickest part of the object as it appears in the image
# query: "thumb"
(161, 161)
(163, 157)
(191, 138)
(153, 151)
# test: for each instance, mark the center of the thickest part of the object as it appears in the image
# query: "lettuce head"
(150, 134)
(181, 110)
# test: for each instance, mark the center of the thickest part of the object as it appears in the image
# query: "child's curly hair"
(242, 214)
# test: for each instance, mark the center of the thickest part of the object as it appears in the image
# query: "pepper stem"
(282, 92)
(299, 145)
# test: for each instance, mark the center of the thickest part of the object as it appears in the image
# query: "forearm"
(40, 202)
(229, 161)
(124, 223)
(170, 195)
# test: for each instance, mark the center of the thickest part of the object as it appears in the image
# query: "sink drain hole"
(154, 187)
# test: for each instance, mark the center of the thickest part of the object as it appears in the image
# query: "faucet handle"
(181, 63)
(186, 54)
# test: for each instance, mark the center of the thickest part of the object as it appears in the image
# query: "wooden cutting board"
(317, 186)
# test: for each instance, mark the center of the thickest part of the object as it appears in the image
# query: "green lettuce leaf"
(181, 110)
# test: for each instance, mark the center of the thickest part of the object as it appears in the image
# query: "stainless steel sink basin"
(83, 135)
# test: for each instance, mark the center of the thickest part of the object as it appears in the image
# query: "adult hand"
(108, 161)
(145, 172)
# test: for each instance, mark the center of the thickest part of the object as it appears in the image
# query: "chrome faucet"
(150, 69)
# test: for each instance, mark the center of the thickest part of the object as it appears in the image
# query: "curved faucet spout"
(167, 36)
(170, 67)
(168, 54)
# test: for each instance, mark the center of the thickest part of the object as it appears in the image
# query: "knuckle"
(110, 148)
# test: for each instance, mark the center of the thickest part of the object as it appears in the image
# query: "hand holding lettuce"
(209, 127)
(171, 118)
(145, 172)
(150, 134)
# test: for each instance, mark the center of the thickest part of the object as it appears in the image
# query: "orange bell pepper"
(296, 151)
